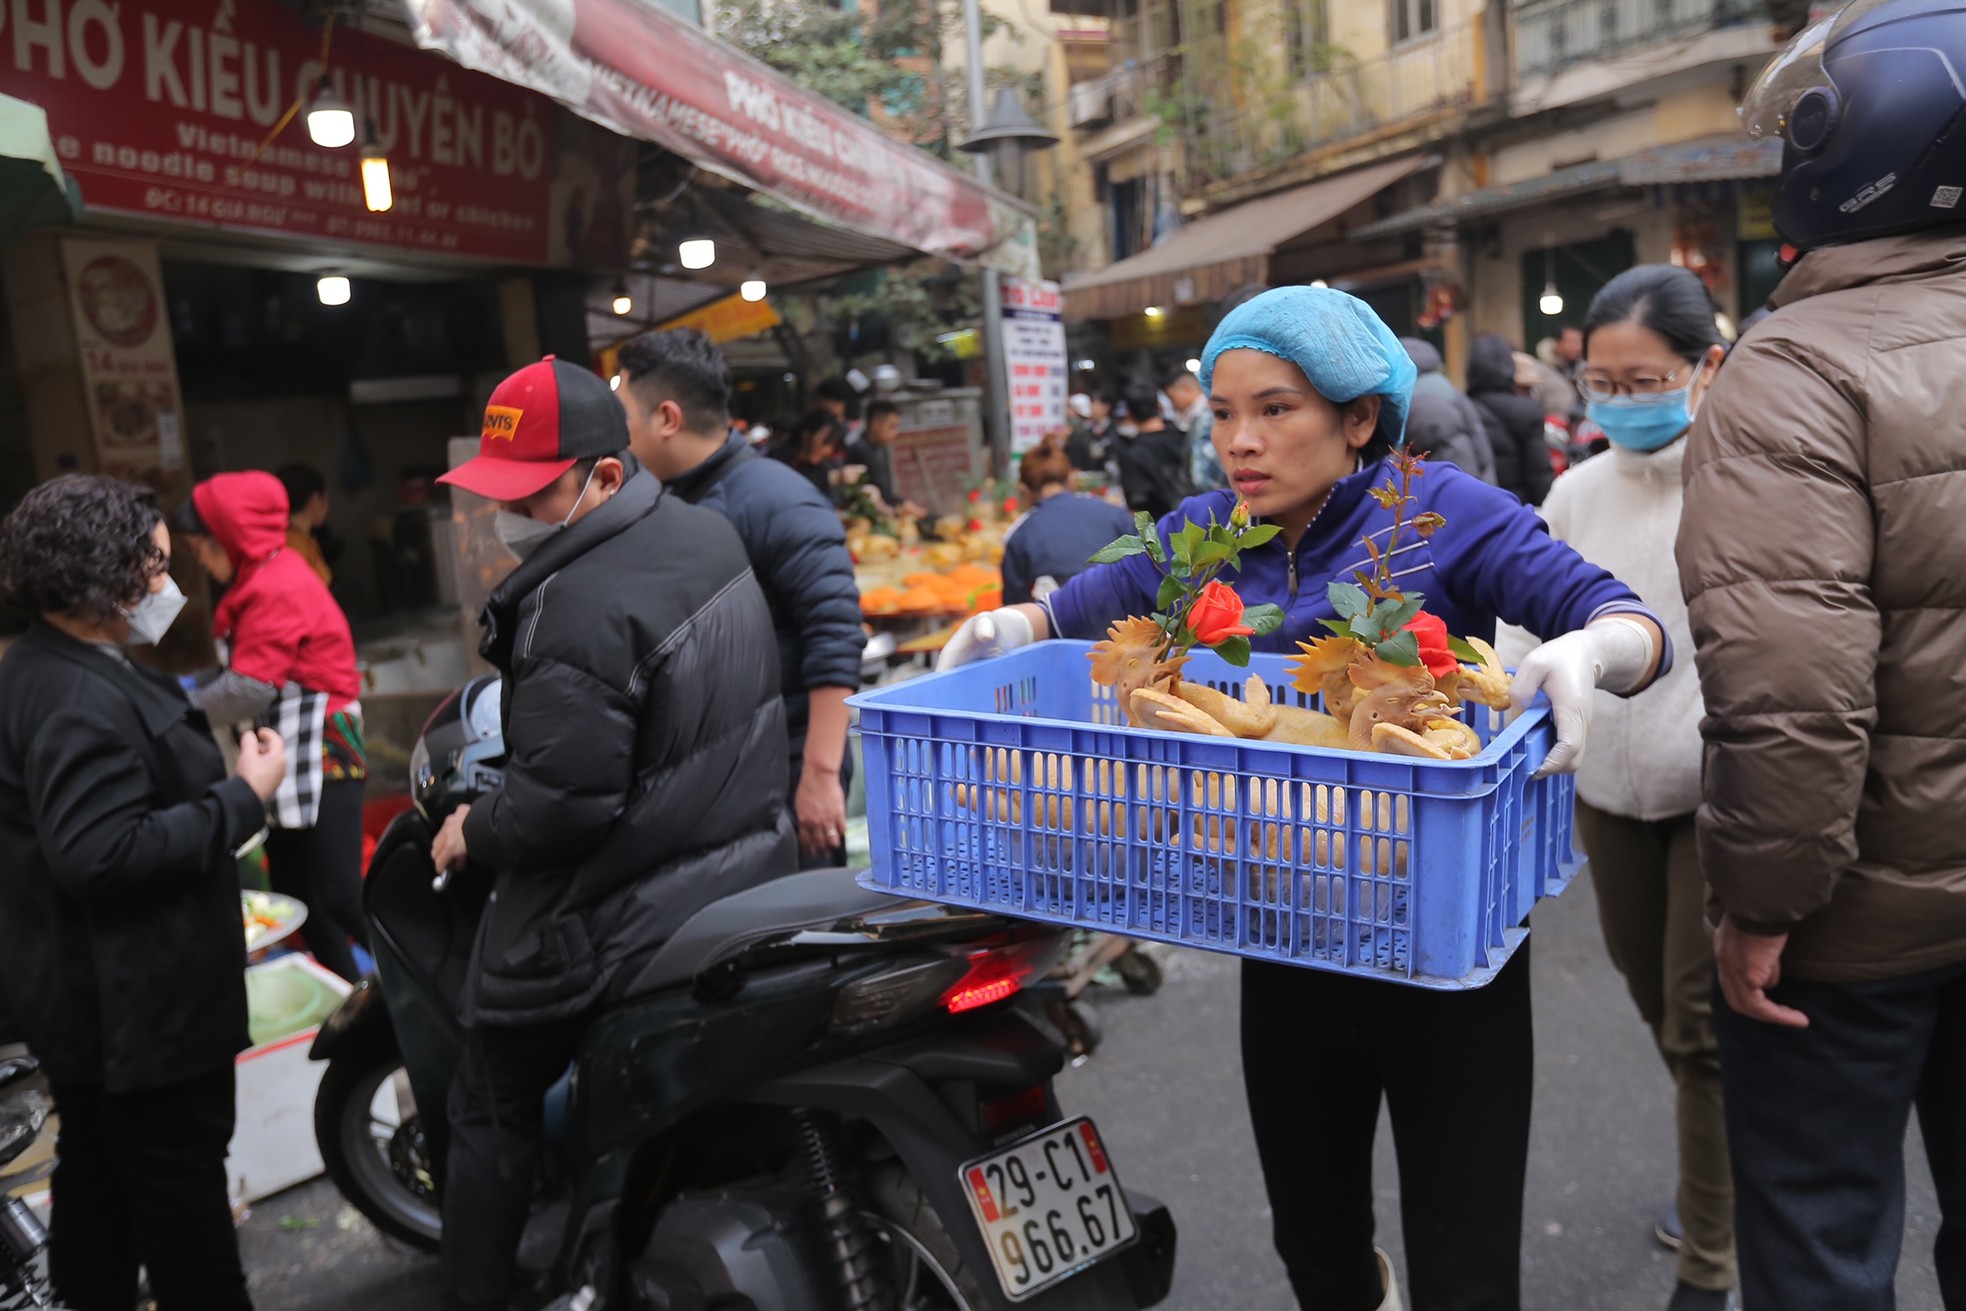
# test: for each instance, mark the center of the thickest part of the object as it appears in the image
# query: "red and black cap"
(538, 423)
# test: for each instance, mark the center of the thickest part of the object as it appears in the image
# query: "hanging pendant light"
(621, 302)
(332, 289)
(753, 288)
(330, 119)
(1552, 302)
(697, 253)
(377, 193)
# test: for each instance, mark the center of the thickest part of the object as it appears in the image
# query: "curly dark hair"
(80, 544)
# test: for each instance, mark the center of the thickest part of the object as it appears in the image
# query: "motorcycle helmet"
(1870, 104)
(461, 753)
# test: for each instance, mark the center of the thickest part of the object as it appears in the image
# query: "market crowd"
(1732, 568)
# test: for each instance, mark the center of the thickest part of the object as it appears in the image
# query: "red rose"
(975, 526)
(1431, 632)
(1217, 615)
(1010, 505)
(975, 495)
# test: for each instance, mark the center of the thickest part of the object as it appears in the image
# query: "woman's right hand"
(262, 762)
(992, 633)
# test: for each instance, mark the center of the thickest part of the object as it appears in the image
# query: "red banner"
(160, 108)
(634, 67)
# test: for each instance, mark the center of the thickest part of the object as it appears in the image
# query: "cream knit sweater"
(1620, 511)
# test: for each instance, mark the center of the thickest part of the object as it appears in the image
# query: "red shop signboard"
(160, 108)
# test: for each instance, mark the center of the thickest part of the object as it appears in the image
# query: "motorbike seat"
(811, 899)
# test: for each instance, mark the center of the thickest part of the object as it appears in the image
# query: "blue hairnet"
(1345, 349)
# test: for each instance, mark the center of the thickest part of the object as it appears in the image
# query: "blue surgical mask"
(1644, 425)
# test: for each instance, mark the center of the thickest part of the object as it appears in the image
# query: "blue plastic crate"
(1014, 785)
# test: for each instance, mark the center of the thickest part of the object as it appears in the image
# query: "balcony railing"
(1552, 35)
(1111, 98)
(1265, 121)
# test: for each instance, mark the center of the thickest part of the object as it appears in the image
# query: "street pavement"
(1166, 1089)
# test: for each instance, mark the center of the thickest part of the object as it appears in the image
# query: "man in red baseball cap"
(645, 773)
(549, 452)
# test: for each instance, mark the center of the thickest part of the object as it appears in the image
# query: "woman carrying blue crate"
(1310, 393)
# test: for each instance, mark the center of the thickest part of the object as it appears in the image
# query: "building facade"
(1459, 164)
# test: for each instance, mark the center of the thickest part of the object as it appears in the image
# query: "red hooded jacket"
(283, 624)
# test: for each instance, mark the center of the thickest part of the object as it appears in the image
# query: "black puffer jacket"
(798, 550)
(647, 751)
(1515, 422)
(121, 954)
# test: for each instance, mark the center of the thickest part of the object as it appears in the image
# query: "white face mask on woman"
(153, 616)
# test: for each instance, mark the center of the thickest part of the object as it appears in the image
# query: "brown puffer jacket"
(1823, 556)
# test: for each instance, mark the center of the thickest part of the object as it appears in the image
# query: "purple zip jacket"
(1494, 560)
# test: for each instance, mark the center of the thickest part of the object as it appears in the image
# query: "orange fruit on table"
(920, 601)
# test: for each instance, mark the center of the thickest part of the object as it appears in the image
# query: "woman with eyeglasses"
(1651, 352)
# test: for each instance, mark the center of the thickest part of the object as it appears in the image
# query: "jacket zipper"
(1292, 557)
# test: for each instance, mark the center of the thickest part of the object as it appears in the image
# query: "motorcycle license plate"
(1049, 1207)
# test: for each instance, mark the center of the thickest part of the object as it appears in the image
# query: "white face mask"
(153, 616)
(522, 535)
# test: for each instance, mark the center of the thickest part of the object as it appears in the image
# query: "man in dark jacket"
(1514, 421)
(645, 778)
(1152, 455)
(1443, 424)
(874, 452)
(676, 389)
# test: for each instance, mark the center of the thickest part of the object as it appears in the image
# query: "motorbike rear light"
(1025, 1107)
(895, 996)
(999, 973)
(981, 995)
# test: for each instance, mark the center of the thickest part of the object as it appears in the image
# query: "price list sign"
(1034, 356)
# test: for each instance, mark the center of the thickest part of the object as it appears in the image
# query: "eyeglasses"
(1597, 387)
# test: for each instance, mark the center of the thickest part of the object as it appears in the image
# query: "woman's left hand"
(1617, 653)
(447, 852)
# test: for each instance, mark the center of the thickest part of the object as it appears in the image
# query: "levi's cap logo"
(501, 423)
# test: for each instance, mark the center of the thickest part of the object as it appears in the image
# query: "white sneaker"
(1389, 1282)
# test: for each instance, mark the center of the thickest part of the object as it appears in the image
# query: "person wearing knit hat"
(1310, 392)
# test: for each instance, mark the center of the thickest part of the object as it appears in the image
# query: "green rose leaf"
(1119, 550)
(1365, 628)
(1213, 552)
(1401, 650)
(1398, 614)
(1265, 619)
(1339, 626)
(1171, 590)
(1235, 650)
(1463, 652)
(1349, 601)
(1254, 537)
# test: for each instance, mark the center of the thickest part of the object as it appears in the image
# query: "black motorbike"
(23, 1240)
(819, 1098)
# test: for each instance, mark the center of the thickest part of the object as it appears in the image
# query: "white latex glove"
(1613, 653)
(989, 634)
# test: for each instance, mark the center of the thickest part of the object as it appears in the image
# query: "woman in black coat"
(122, 954)
(1514, 421)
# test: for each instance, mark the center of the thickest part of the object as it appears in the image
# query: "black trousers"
(322, 868)
(1456, 1070)
(142, 1183)
(1816, 1122)
(496, 1123)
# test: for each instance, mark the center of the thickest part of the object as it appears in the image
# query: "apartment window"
(1307, 37)
(1413, 18)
